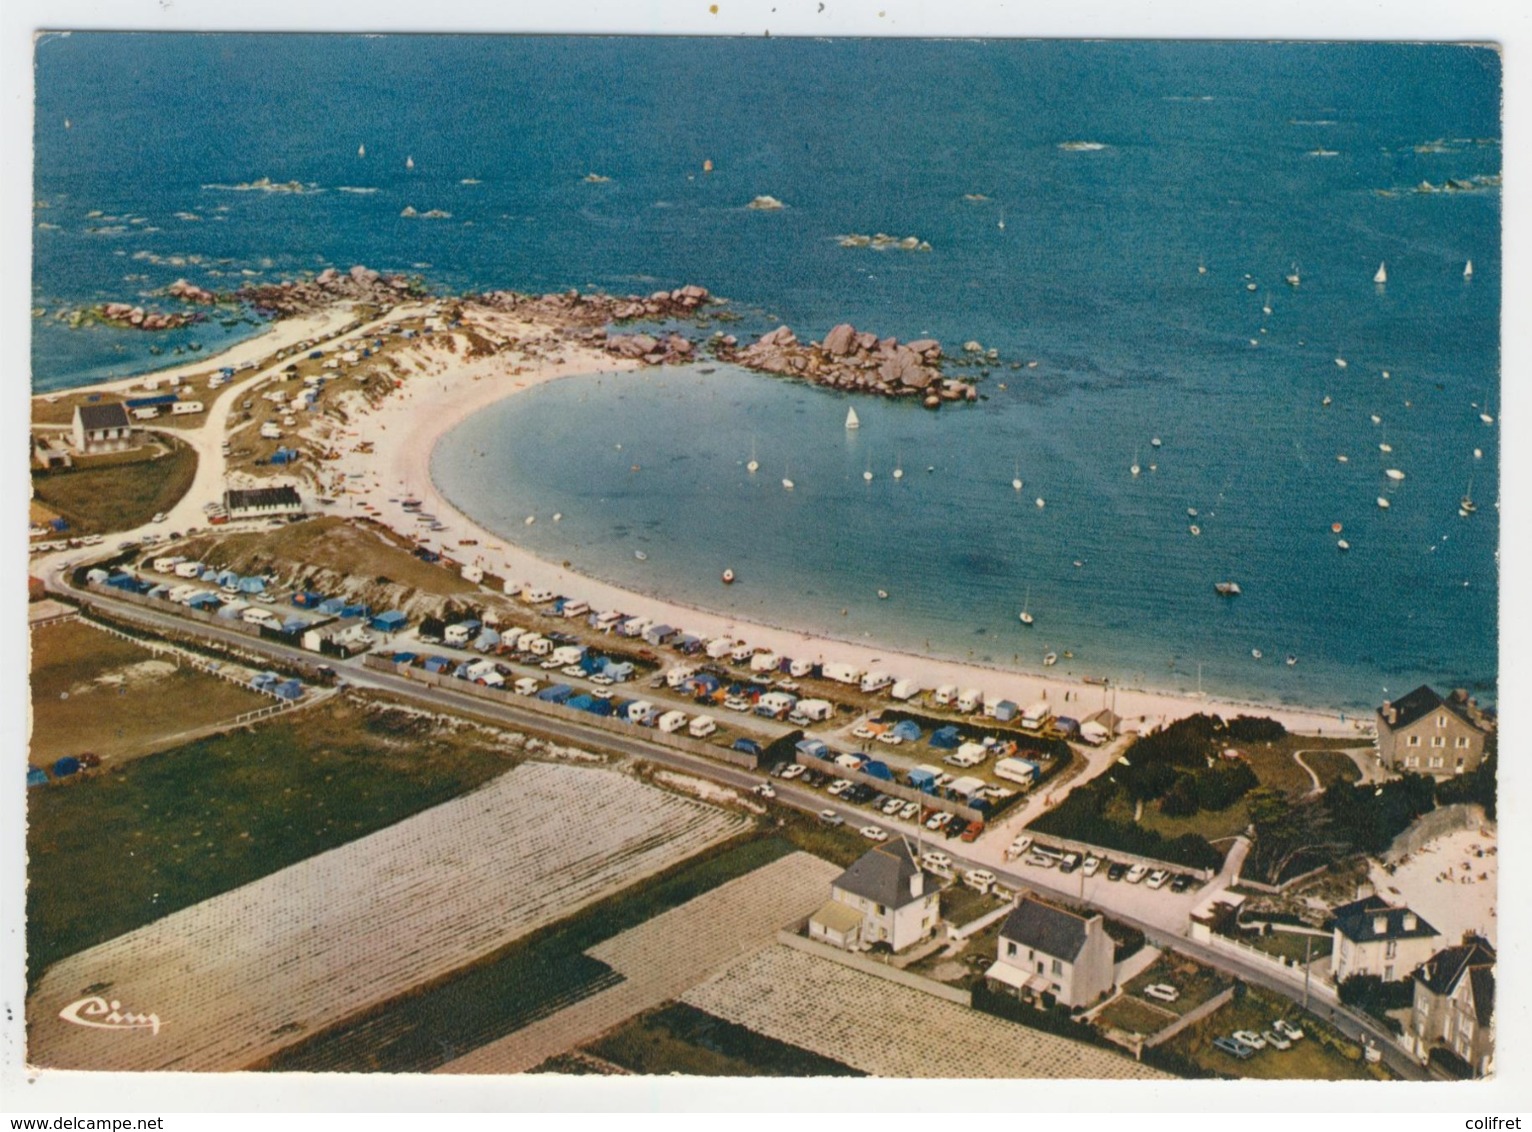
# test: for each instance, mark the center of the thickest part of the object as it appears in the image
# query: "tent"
(36, 776)
(66, 766)
(945, 737)
(907, 730)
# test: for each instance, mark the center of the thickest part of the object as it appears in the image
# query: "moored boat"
(852, 420)
(1227, 589)
(728, 577)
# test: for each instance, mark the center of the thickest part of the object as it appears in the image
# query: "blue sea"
(1121, 214)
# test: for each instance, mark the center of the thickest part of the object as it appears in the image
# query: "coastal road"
(1161, 915)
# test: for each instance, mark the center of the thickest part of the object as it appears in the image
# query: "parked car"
(765, 790)
(972, 832)
(981, 880)
(838, 787)
(1070, 863)
(1287, 1030)
(1018, 847)
(1275, 1040)
(1116, 871)
(937, 820)
(572, 670)
(874, 833)
(891, 807)
(792, 771)
(1041, 860)
(936, 860)
(862, 733)
(1182, 882)
(1092, 866)
(737, 703)
(1158, 878)
(1250, 1038)
(1233, 1048)
(909, 810)
(602, 679)
(954, 827)
(830, 817)
(1137, 873)
(751, 747)
(1161, 992)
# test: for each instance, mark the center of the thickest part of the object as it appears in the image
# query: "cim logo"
(99, 1014)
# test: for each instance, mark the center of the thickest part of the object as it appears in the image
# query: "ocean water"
(1116, 169)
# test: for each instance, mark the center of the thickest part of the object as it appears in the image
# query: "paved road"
(1161, 915)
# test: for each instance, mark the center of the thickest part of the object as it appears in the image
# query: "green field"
(1291, 945)
(95, 692)
(529, 979)
(682, 1039)
(1134, 1016)
(132, 843)
(1196, 983)
(1333, 766)
(120, 491)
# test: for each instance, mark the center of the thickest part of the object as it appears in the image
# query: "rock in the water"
(841, 340)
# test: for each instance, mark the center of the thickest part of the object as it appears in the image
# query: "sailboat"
(1382, 275)
(1016, 483)
(1001, 225)
(786, 481)
(361, 151)
(898, 467)
(754, 465)
(1468, 270)
(409, 163)
(1484, 413)
(867, 475)
(1292, 278)
(1466, 505)
(1135, 469)
(1266, 306)
(1026, 618)
(852, 420)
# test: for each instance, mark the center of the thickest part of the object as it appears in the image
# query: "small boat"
(1326, 400)
(852, 420)
(1385, 447)
(754, 465)
(1191, 512)
(1026, 618)
(1343, 544)
(1466, 505)
(1343, 459)
(1041, 502)
(1266, 306)
(1468, 270)
(558, 516)
(1155, 443)
(640, 555)
(1376, 419)
(409, 163)
(1478, 453)
(1016, 482)
(1336, 528)
(1291, 660)
(787, 483)
(1079, 562)
(1250, 287)
(1486, 418)
(867, 475)
(1383, 502)
(530, 520)
(1202, 269)
(1381, 276)
(361, 151)
(1227, 589)
(728, 577)
(1195, 529)
(1256, 653)
(899, 468)
(1292, 277)
(1394, 474)
(1134, 468)
(882, 595)
(707, 165)
(1341, 362)
(1050, 659)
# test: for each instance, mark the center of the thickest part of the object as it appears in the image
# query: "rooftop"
(883, 875)
(1358, 921)
(1047, 928)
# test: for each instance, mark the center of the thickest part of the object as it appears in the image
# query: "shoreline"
(430, 404)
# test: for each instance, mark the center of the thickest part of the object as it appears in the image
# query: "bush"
(1052, 1018)
(1372, 994)
(1219, 787)
(1181, 800)
(1476, 786)
(1255, 729)
(1370, 817)
(1081, 817)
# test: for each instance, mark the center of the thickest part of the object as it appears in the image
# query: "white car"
(873, 833)
(1091, 867)
(1276, 1041)
(159, 517)
(1158, 878)
(981, 880)
(909, 810)
(572, 670)
(1018, 847)
(830, 817)
(1250, 1038)
(838, 787)
(765, 790)
(936, 821)
(890, 738)
(793, 771)
(1162, 992)
(1287, 1030)
(936, 860)
(892, 806)
(737, 703)
(1136, 874)
(602, 679)
(862, 733)
(1041, 860)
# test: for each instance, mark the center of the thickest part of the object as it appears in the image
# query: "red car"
(972, 832)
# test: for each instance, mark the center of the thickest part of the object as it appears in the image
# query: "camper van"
(945, 694)
(843, 673)
(904, 690)
(183, 408)
(534, 595)
(1036, 716)
(701, 727)
(876, 681)
(763, 662)
(671, 722)
(800, 668)
(970, 700)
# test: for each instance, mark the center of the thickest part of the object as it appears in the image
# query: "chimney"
(917, 883)
(1390, 713)
(1410, 921)
(1380, 925)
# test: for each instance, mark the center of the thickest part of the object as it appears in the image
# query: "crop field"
(95, 692)
(236, 978)
(888, 1030)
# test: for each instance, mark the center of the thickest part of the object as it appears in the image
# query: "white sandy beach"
(407, 426)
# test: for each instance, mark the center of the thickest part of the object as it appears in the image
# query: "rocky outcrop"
(359, 284)
(651, 350)
(189, 292)
(131, 317)
(852, 360)
(571, 308)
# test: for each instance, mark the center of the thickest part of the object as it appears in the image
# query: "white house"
(1045, 949)
(884, 897)
(102, 427)
(1373, 937)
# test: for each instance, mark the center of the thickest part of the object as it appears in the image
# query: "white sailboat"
(898, 467)
(361, 151)
(1468, 270)
(1016, 482)
(1026, 618)
(1466, 505)
(1484, 414)
(852, 421)
(754, 465)
(1001, 225)
(1381, 276)
(786, 480)
(867, 475)
(1394, 474)
(1292, 278)
(409, 163)
(1135, 469)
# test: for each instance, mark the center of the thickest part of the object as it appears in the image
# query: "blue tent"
(331, 606)
(945, 738)
(252, 585)
(66, 766)
(308, 599)
(618, 670)
(704, 683)
(556, 693)
(36, 776)
(288, 689)
(907, 730)
(920, 779)
(264, 679)
(403, 658)
(294, 625)
(1005, 711)
(160, 590)
(226, 578)
(1066, 725)
(487, 640)
(814, 747)
(878, 770)
(390, 622)
(437, 664)
(208, 575)
(204, 601)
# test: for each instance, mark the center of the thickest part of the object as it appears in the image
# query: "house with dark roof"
(1374, 937)
(1046, 949)
(262, 503)
(102, 427)
(884, 897)
(1454, 1006)
(1427, 734)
